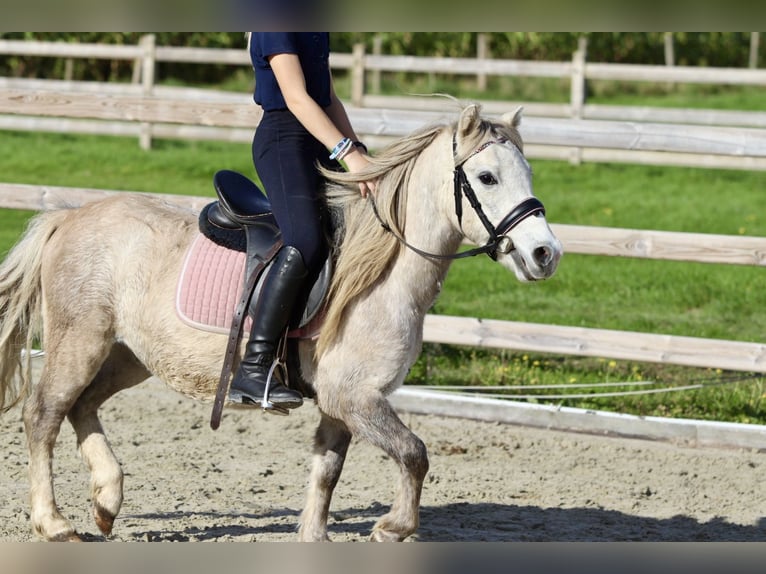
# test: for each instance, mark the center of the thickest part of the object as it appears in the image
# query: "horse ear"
(513, 119)
(469, 119)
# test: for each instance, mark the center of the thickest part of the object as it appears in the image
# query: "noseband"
(498, 238)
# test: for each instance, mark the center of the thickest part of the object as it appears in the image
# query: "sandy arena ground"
(494, 482)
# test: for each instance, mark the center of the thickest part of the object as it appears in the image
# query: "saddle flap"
(316, 298)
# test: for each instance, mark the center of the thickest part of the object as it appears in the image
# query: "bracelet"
(341, 149)
(361, 145)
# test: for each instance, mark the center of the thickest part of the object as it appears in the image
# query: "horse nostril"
(542, 256)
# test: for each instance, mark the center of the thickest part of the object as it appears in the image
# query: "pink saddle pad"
(210, 286)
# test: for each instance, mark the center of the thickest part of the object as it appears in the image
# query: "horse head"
(494, 202)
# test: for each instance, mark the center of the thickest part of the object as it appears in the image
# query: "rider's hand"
(357, 161)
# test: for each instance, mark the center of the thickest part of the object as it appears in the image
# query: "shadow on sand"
(470, 522)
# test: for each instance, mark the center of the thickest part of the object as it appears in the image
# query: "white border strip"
(686, 431)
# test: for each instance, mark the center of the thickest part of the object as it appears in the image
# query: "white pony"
(95, 285)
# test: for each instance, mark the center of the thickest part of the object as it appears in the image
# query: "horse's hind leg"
(121, 370)
(70, 365)
(330, 447)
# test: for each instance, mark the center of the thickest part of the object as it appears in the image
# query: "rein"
(498, 238)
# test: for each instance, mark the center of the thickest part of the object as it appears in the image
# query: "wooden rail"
(587, 240)
(624, 345)
(558, 138)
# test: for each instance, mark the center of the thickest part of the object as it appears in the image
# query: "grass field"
(716, 301)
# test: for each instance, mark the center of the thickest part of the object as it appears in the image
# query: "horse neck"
(429, 224)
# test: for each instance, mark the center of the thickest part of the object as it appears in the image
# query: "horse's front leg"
(369, 416)
(382, 427)
(330, 446)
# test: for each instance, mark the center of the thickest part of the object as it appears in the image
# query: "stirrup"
(266, 405)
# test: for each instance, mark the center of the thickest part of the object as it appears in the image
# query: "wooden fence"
(577, 132)
(690, 351)
(553, 138)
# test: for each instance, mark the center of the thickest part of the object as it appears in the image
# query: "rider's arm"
(328, 127)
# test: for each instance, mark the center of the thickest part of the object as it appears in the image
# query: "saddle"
(242, 220)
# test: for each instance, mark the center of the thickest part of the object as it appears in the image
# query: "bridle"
(498, 238)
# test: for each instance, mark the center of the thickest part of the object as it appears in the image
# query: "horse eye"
(487, 178)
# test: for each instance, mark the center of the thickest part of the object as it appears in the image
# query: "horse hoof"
(315, 537)
(385, 536)
(66, 537)
(104, 520)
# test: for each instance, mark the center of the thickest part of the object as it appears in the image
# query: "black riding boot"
(281, 287)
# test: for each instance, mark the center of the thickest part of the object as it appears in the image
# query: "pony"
(95, 284)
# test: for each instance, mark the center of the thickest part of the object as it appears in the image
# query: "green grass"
(557, 90)
(723, 396)
(720, 97)
(103, 162)
(698, 300)
(118, 163)
(715, 301)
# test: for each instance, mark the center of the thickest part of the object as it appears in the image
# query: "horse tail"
(21, 306)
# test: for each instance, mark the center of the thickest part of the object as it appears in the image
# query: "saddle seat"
(240, 202)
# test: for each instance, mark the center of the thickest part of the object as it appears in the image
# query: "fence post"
(754, 41)
(148, 43)
(357, 75)
(578, 88)
(578, 78)
(377, 49)
(670, 54)
(482, 53)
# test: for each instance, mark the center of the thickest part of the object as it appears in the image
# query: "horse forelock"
(485, 131)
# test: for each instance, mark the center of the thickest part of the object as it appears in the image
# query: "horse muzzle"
(533, 259)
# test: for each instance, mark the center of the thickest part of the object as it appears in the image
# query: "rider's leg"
(285, 156)
(257, 370)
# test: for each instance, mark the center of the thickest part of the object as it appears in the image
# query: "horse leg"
(371, 417)
(383, 428)
(121, 370)
(330, 446)
(71, 362)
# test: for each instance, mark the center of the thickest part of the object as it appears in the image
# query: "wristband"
(341, 149)
(362, 146)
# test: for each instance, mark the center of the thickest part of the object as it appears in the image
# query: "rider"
(303, 123)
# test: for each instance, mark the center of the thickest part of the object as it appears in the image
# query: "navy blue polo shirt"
(313, 51)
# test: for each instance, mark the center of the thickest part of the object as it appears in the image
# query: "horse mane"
(363, 249)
